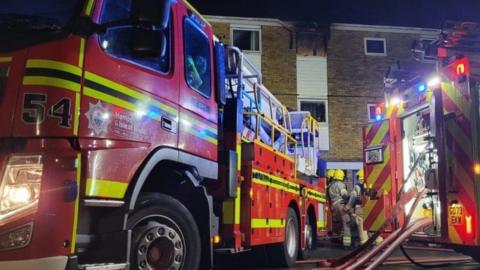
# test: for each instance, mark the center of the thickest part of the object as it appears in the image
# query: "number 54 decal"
(34, 110)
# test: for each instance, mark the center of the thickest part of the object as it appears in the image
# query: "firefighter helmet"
(339, 175)
(330, 173)
(360, 176)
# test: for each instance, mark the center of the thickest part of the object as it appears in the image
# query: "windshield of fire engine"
(31, 15)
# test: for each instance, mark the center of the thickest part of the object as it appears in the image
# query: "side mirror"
(232, 58)
(147, 43)
(151, 11)
(221, 95)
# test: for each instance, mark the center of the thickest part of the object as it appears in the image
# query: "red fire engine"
(427, 138)
(131, 137)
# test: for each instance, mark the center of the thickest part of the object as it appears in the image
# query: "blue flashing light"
(422, 87)
(378, 117)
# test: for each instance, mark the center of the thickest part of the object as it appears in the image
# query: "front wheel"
(164, 235)
(285, 254)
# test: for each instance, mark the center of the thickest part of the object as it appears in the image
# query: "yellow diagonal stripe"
(129, 92)
(89, 8)
(457, 99)
(41, 63)
(51, 81)
(105, 188)
(378, 168)
(382, 131)
(262, 223)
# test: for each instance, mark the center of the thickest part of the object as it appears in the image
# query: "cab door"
(129, 94)
(198, 109)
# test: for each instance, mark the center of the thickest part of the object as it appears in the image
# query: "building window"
(317, 108)
(375, 46)
(371, 108)
(430, 49)
(246, 39)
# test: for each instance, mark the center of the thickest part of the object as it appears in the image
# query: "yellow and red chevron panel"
(378, 175)
(462, 215)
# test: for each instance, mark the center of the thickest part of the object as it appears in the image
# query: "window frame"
(133, 62)
(324, 101)
(209, 60)
(365, 39)
(426, 58)
(251, 29)
(369, 105)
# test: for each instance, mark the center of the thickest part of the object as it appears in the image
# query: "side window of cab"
(146, 46)
(197, 58)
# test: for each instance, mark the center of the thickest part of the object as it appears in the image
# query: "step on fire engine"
(131, 138)
(426, 137)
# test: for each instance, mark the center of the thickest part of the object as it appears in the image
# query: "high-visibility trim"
(76, 114)
(50, 81)
(231, 210)
(89, 7)
(50, 64)
(199, 129)
(199, 134)
(105, 188)
(81, 54)
(276, 182)
(321, 224)
(315, 195)
(75, 208)
(5, 59)
(239, 156)
(111, 99)
(97, 81)
(457, 99)
(228, 216)
(382, 131)
(264, 223)
(237, 206)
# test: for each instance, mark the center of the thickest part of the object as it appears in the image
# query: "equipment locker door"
(378, 174)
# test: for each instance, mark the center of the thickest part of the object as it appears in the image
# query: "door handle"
(169, 125)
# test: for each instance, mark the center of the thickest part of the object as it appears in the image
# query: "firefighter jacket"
(337, 191)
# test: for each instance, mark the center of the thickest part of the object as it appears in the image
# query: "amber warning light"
(476, 169)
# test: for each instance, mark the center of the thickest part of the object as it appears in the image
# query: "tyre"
(285, 254)
(164, 235)
(309, 238)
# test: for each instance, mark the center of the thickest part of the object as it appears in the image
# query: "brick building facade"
(356, 65)
(276, 51)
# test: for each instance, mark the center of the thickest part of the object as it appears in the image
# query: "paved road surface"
(247, 262)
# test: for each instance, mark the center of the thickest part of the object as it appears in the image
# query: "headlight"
(20, 186)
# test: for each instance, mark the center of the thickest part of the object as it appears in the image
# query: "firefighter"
(330, 174)
(354, 205)
(338, 193)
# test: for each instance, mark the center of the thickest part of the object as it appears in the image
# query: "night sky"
(418, 13)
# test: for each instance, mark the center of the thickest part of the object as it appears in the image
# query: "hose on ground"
(441, 265)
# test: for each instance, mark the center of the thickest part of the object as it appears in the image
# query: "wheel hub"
(160, 247)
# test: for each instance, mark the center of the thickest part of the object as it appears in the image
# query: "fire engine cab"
(426, 137)
(131, 138)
